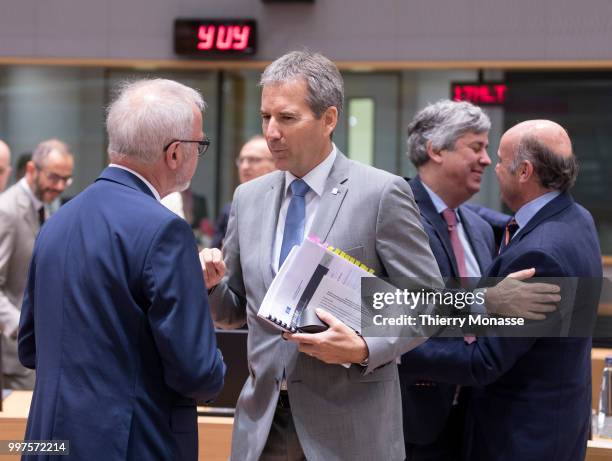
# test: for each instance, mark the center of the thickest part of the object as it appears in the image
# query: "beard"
(183, 180)
(44, 194)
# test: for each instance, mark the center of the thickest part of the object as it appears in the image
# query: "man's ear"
(330, 119)
(434, 155)
(525, 171)
(30, 167)
(172, 155)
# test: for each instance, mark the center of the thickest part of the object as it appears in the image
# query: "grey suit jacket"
(18, 229)
(339, 413)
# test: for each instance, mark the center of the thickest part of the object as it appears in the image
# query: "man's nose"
(272, 130)
(485, 159)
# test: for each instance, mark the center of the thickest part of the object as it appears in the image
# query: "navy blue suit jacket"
(221, 226)
(426, 406)
(533, 395)
(115, 320)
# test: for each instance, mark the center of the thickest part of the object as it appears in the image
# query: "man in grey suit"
(22, 212)
(298, 402)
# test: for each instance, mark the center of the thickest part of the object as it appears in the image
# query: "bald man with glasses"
(22, 213)
(254, 160)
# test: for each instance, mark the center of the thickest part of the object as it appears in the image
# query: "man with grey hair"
(298, 402)
(447, 143)
(5, 165)
(115, 318)
(22, 213)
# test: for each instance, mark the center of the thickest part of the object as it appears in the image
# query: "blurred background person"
(253, 161)
(5, 165)
(22, 213)
(20, 167)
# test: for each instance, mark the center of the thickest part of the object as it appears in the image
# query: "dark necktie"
(41, 215)
(293, 233)
(511, 229)
(451, 220)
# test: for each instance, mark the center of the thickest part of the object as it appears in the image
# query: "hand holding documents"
(315, 276)
(339, 344)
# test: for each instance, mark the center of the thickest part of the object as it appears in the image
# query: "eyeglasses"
(56, 178)
(202, 145)
(250, 160)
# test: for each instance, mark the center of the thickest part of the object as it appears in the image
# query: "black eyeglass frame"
(202, 145)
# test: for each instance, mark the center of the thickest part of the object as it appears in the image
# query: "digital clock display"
(481, 94)
(214, 37)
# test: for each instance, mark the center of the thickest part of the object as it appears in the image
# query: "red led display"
(216, 37)
(481, 94)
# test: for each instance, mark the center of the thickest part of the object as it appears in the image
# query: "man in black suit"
(532, 397)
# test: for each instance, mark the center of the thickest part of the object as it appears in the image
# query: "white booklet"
(315, 275)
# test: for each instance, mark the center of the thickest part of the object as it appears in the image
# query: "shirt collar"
(317, 177)
(530, 209)
(35, 201)
(438, 202)
(139, 176)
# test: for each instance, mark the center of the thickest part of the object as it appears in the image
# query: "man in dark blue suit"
(532, 399)
(447, 143)
(115, 318)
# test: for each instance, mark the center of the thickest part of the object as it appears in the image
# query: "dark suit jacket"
(533, 400)
(221, 226)
(426, 406)
(116, 323)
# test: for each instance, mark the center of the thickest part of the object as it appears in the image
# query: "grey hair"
(323, 79)
(146, 115)
(442, 124)
(554, 171)
(42, 151)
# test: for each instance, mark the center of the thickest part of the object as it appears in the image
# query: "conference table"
(215, 432)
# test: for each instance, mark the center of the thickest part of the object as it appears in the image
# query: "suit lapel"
(269, 220)
(479, 246)
(429, 213)
(334, 193)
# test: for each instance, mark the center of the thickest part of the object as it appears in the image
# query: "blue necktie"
(296, 218)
